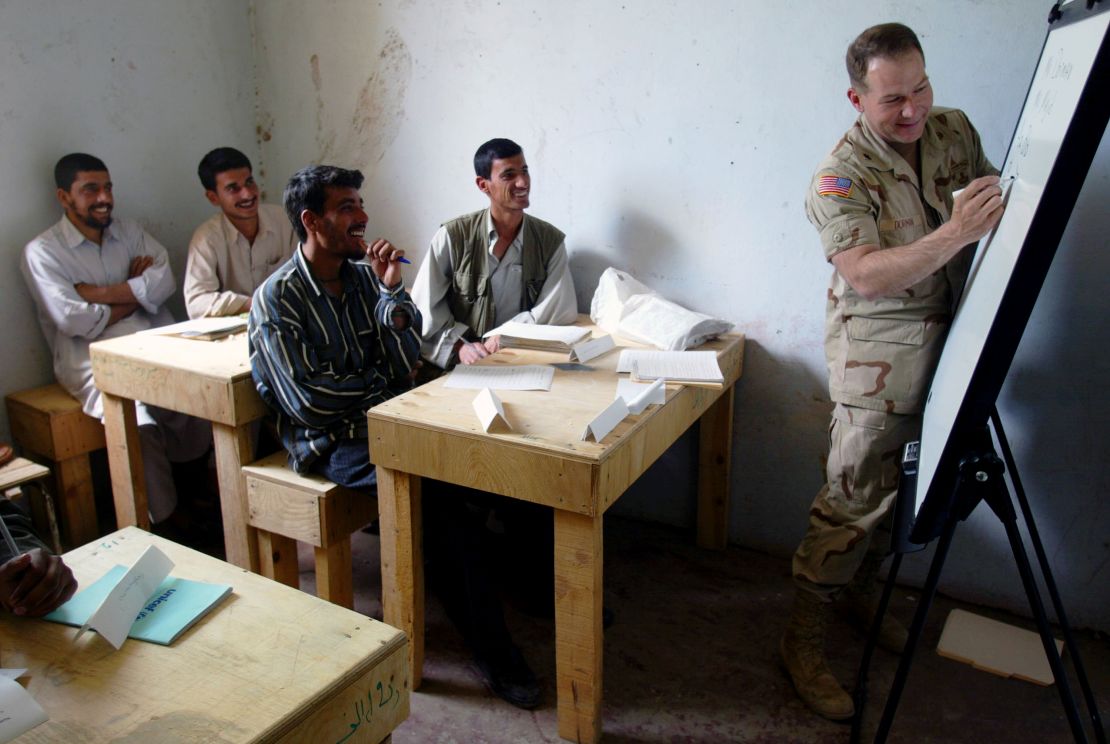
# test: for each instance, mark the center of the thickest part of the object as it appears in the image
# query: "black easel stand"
(981, 479)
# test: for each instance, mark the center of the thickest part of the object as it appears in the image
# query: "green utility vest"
(470, 298)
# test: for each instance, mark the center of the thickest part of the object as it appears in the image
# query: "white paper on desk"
(604, 422)
(490, 411)
(680, 366)
(19, 712)
(537, 332)
(591, 349)
(197, 326)
(523, 377)
(640, 395)
(116, 614)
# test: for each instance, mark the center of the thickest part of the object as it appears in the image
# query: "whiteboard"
(981, 328)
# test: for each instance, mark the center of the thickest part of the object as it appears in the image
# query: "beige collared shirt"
(882, 352)
(223, 269)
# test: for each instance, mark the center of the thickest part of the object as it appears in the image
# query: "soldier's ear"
(854, 98)
(483, 184)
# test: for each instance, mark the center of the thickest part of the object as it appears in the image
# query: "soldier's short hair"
(885, 40)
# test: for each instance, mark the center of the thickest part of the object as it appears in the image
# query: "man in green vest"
(492, 266)
(484, 269)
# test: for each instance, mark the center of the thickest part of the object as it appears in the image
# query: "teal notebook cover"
(169, 612)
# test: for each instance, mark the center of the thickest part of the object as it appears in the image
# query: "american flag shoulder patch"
(834, 186)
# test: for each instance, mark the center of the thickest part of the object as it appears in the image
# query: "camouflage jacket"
(882, 352)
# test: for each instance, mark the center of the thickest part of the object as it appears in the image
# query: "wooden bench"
(285, 508)
(48, 424)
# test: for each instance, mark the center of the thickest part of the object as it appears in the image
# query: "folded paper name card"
(19, 712)
(604, 422)
(491, 411)
(591, 349)
(640, 395)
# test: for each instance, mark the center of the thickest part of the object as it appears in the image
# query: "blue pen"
(402, 259)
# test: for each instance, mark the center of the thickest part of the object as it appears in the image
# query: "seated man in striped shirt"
(332, 331)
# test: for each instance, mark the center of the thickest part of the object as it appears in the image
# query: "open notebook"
(172, 609)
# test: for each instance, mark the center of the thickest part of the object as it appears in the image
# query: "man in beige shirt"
(233, 252)
(899, 240)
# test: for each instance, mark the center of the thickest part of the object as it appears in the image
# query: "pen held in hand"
(399, 259)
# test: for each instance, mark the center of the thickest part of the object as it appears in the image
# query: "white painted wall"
(148, 87)
(675, 140)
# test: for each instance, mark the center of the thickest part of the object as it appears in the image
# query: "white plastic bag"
(625, 307)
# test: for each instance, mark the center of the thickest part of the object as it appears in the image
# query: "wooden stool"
(48, 424)
(19, 472)
(286, 507)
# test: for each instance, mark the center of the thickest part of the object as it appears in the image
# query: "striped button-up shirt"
(320, 362)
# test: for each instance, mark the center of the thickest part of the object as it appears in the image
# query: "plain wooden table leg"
(578, 634)
(75, 500)
(125, 462)
(233, 451)
(714, 466)
(277, 558)
(401, 528)
(333, 574)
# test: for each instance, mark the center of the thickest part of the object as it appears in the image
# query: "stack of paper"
(542, 337)
(202, 329)
(687, 367)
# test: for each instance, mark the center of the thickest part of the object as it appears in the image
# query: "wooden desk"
(432, 432)
(207, 379)
(269, 664)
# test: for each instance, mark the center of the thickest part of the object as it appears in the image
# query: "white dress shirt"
(556, 305)
(224, 269)
(62, 257)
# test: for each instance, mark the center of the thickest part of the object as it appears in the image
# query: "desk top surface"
(553, 420)
(258, 665)
(225, 359)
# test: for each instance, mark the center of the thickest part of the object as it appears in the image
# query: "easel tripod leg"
(859, 694)
(1037, 606)
(928, 592)
(1049, 580)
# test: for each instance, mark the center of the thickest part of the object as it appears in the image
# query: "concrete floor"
(692, 658)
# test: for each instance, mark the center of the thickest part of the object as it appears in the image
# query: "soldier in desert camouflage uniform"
(900, 247)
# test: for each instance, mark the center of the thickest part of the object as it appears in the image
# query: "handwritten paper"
(591, 349)
(115, 615)
(640, 395)
(19, 712)
(677, 366)
(604, 422)
(523, 377)
(490, 411)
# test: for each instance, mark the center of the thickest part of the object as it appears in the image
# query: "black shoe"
(509, 677)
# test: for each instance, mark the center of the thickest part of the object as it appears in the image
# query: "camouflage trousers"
(849, 517)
